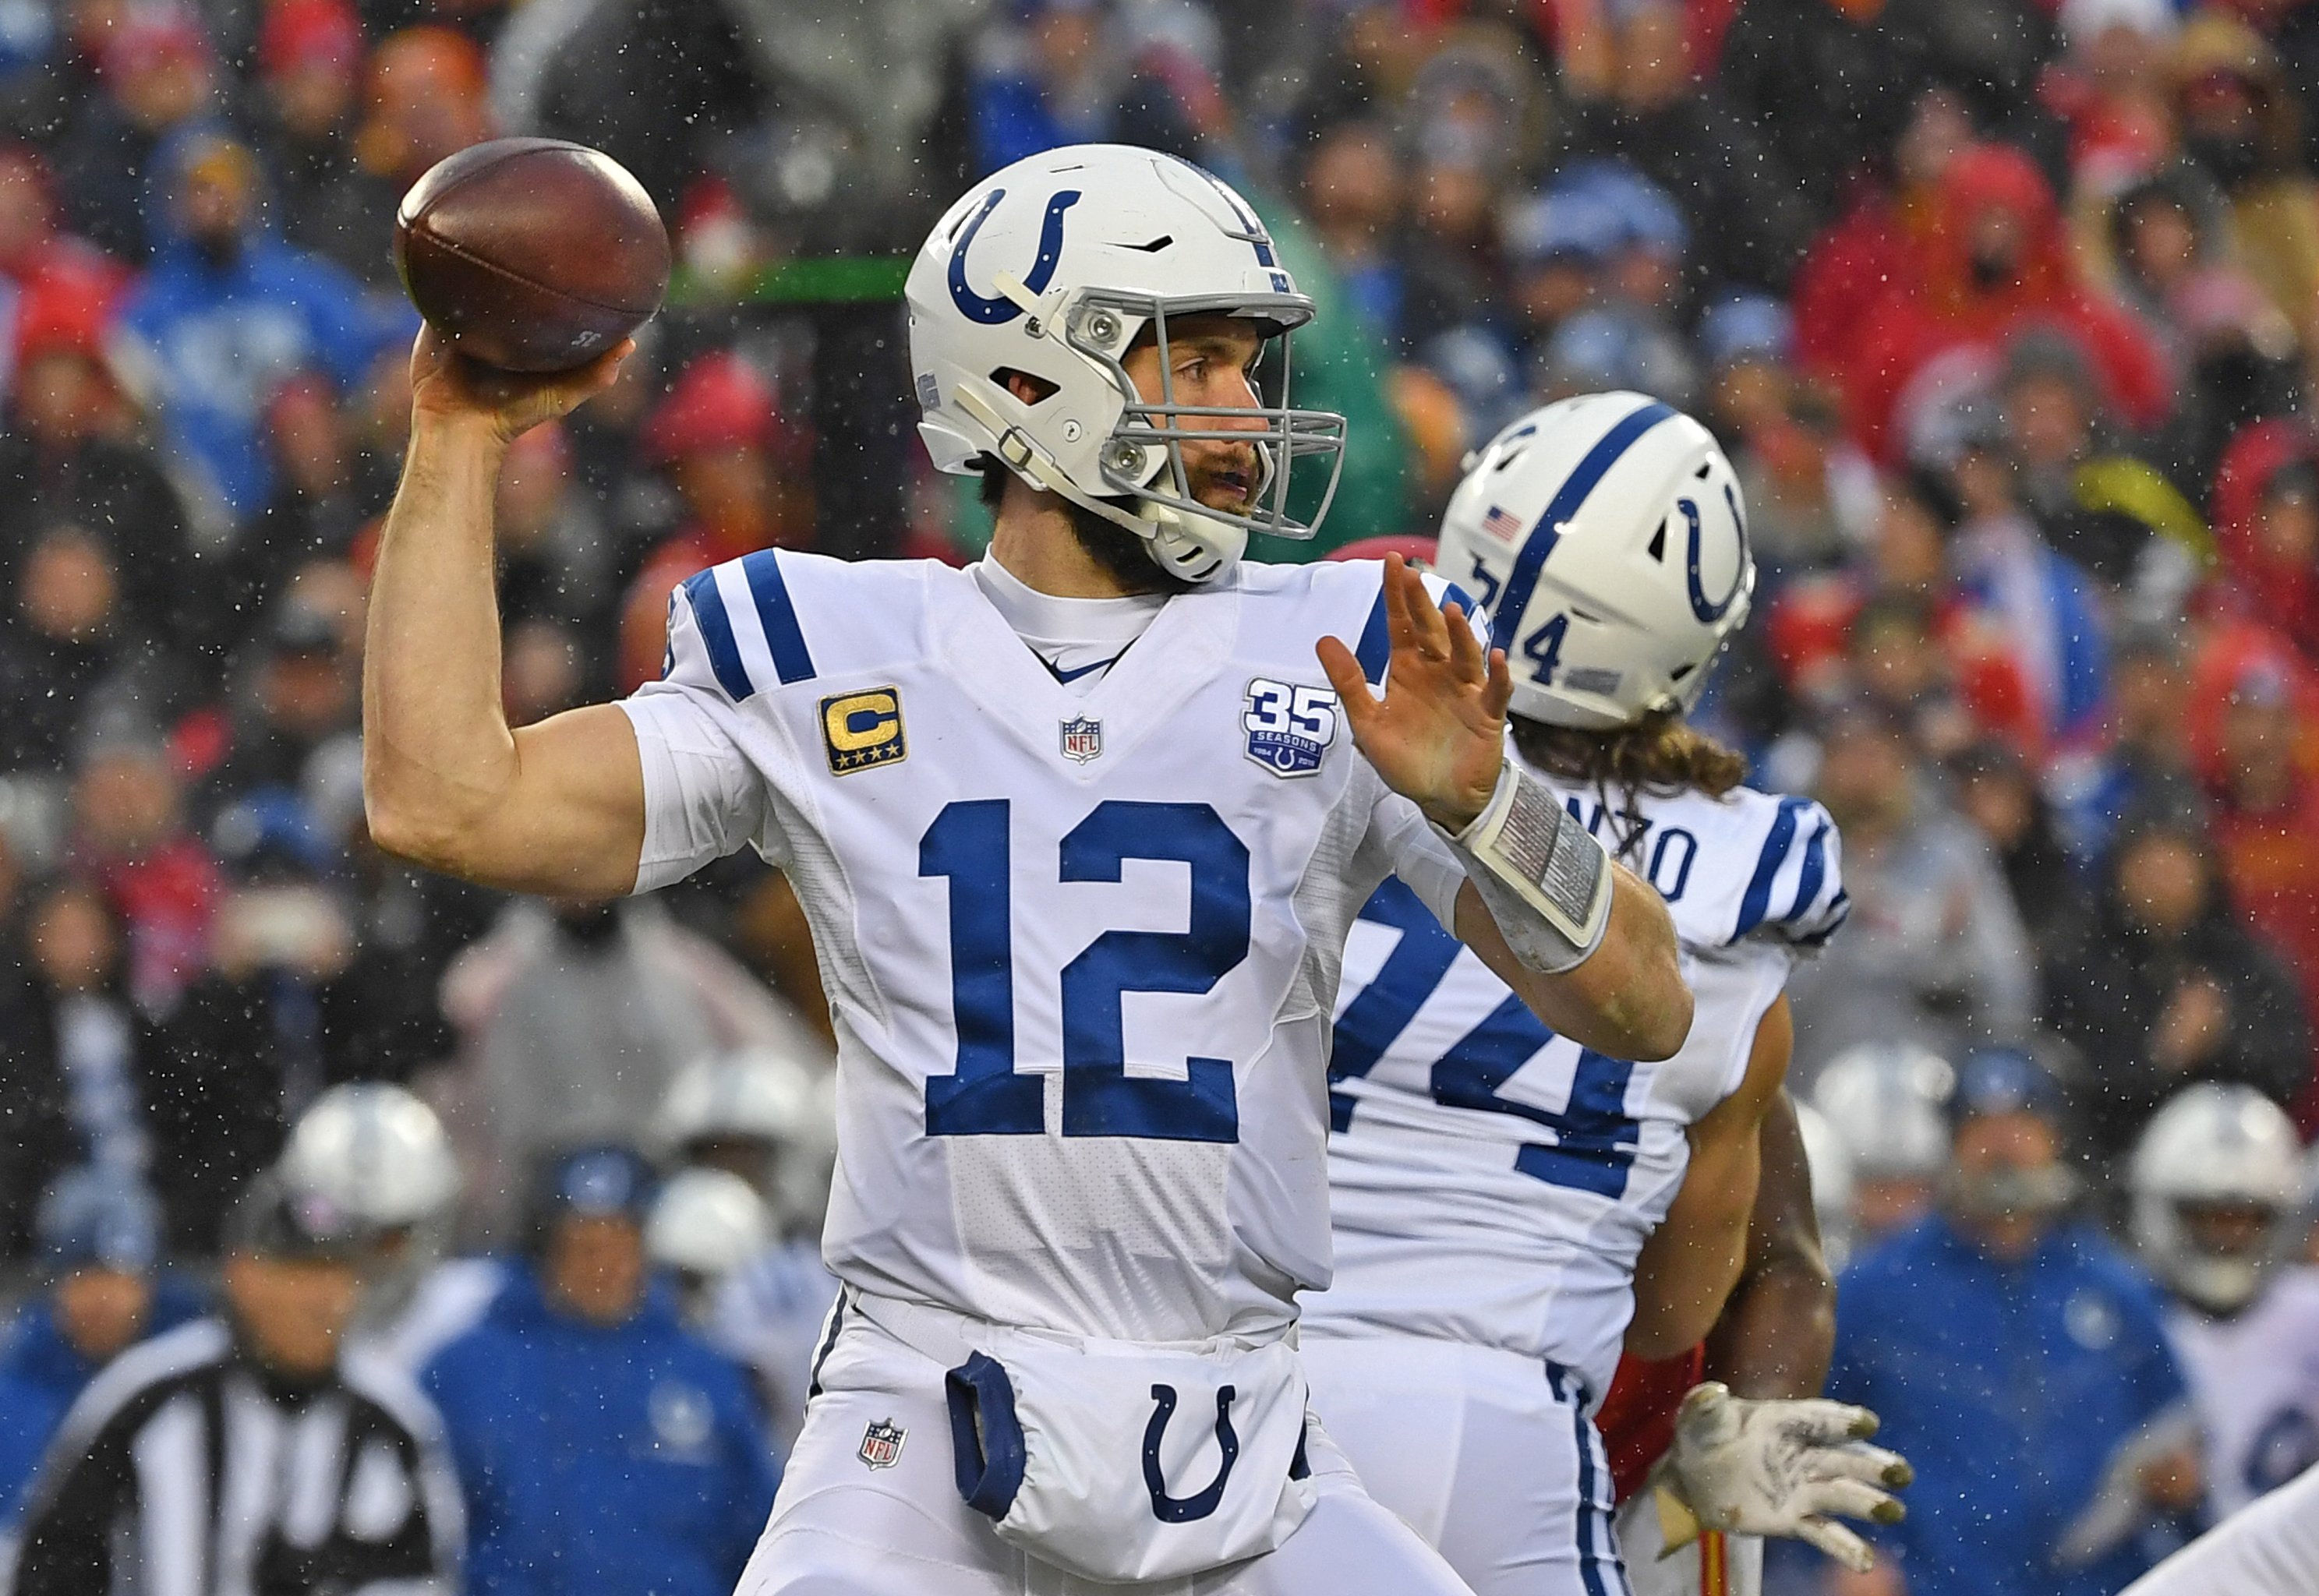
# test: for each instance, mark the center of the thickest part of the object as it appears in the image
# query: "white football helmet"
(376, 1151)
(1605, 537)
(1830, 1165)
(1053, 268)
(706, 1223)
(755, 1093)
(1887, 1103)
(2216, 1146)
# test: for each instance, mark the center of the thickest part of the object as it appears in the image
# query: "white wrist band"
(1543, 877)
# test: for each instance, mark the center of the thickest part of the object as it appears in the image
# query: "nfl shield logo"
(1082, 739)
(882, 1444)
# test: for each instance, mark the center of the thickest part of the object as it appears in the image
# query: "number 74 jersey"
(1081, 948)
(1493, 1183)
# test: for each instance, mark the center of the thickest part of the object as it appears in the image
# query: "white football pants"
(1489, 1456)
(841, 1527)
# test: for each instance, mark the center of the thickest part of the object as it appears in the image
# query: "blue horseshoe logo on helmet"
(995, 312)
(1711, 610)
(1185, 1509)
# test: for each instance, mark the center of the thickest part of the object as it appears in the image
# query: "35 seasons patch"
(859, 730)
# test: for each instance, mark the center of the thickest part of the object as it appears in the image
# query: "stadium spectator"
(228, 310)
(72, 650)
(2019, 1363)
(2112, 513)
(310, 72)
(2240, 127)
(2041, 599)
(208, 1412)
(1644, 99)
(724, 441)
(1997, 791)
(602, 1447)
(1935, 952)
(156, 80)
(573, 1021)
(72, 450)
(2168, 987)
(99, 1235)
(2267, 523)
(1352, 192)
(130, 837)
(317, 509)
(77, 1056)
(427, 97)
(1992, 260)
(2148, 756)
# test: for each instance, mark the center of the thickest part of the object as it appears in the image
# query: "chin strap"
(1172, 538)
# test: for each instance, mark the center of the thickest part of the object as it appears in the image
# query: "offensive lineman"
(1079, 832)
(1497, 1186)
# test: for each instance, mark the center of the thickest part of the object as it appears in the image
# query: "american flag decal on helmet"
(1501, 526)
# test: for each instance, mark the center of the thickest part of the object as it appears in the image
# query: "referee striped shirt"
(183, 1471)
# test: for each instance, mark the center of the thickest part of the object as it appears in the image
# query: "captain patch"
(859, 730)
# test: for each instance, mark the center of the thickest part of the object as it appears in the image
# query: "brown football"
(531, 254)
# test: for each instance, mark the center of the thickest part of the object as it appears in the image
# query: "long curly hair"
(1662, 753)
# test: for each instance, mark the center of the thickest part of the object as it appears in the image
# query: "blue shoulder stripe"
(1376, 646)
(1522, 581)
(783, 637)
(1757, 901)
(716, 634)
(1814, 872)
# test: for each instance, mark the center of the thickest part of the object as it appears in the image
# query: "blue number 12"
(968, 845)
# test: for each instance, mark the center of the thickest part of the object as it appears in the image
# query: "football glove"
(1775, 1468)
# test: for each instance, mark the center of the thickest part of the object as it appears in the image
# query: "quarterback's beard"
(1124, 557)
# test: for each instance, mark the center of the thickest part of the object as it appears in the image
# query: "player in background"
(2270, 1549)
(763, 1114)
(2218, 1210)
(1887, 1101)
(374, 1152)
(1510, 1204)
(1079, 832)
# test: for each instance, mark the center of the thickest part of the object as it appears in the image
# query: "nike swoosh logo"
(1068, 676)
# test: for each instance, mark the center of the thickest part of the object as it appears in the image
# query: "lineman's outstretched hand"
(1776, 1468)
(449, 386)
(1438, 735)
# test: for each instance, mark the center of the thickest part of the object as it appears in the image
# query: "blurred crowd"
(2006, 310)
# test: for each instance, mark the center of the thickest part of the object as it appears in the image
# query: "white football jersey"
(2254, 1383)
(1081, 947)
(1494, 1182)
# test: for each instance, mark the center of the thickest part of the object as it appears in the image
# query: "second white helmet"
(376, 1151)
(2216, 1146)
(1053, 269)
(757, 1094)
(707, 1222)
(1605, 536)
(1887, 1102)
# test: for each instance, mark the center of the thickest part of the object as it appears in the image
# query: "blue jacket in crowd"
(2010, 1387)
(40, 1375)
(623, 1461)
(219, 339)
